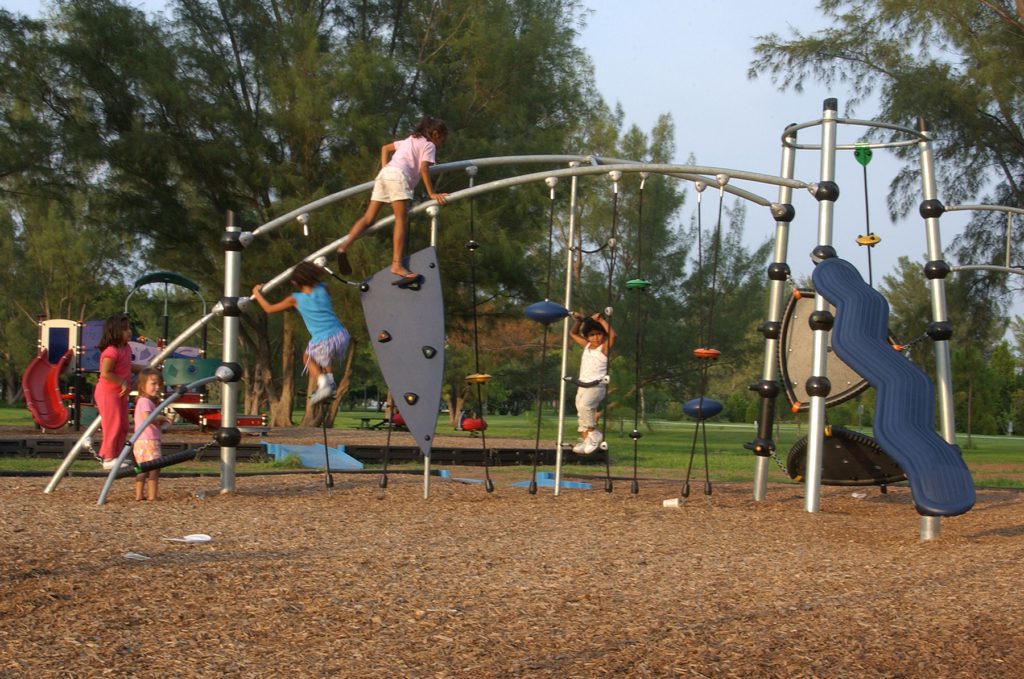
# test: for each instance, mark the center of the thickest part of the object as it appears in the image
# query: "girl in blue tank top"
(328, 337)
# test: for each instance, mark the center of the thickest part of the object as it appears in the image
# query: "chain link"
(782, 467)
(202, 449)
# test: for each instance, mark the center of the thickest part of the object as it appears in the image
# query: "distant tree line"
(125, 138)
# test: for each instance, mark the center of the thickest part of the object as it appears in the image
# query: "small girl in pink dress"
(147, 445)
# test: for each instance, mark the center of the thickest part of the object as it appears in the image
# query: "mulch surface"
(359, 582)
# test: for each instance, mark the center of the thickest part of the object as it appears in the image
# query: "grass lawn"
(663, 451)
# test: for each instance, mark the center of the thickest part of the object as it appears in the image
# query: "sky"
(690, 59)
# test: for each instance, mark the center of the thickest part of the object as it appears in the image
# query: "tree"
(53, 270)
(258, 107)
(1006, 379)
(975, 398)
(952, 62)
(909, 311)
(48, 234)
(977, 331)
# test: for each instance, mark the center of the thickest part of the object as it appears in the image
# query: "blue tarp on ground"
(313, 456)
(547, 480)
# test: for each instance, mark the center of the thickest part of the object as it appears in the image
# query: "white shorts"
(588, 400)
(390, 186)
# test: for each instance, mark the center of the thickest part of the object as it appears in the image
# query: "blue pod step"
(702, 408)
(546, 312)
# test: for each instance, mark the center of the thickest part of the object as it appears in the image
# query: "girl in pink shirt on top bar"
(394, 184)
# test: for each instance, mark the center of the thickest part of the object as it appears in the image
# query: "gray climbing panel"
(406, 326)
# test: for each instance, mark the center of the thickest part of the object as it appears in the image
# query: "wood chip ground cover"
(354, 582)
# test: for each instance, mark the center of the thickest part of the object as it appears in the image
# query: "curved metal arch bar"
(310, 207)
(185, 334)
(691, 172)
(589, 164)
(457, 165)
(988, 267)
(713, 183)
(688, 176)
(990, 208)
(705, 174)
(594, 165)
(916, 135)
(710, 181)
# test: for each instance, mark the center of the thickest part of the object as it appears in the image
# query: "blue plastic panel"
(905, 402)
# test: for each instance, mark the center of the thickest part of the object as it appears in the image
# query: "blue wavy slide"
(905, 400)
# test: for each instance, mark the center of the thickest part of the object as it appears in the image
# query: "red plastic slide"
(42, 390)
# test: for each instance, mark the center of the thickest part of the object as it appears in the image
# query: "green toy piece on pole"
(863, 155)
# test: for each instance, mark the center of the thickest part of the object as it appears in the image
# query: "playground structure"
(70, 347)
(950, 480)
(58, 341)
(950, 474)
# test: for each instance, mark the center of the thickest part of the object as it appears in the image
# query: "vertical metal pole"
(565, 327)
(930, 527)
(930, 210)
(432, 211)
(229, 390)
(165, 337)
(776, 303)
(78, 378)
(819, 354)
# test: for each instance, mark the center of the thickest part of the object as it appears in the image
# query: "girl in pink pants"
(111, 393)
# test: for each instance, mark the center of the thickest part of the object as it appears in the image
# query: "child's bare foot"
(404, 280)
(401, 271)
